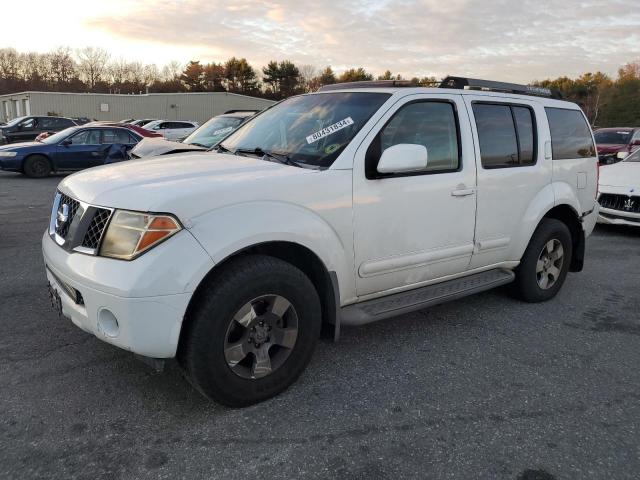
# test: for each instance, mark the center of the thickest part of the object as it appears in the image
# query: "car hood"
(20, 146)
(621, 174)
(604, 148)
(185, 184)
(150, 147)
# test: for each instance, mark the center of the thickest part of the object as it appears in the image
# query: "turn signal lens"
(131, 233)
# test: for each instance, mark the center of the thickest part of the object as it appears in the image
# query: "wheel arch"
(38, 154)
(568, 215)
(325, 281)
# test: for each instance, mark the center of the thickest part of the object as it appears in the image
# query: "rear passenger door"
(512, 172)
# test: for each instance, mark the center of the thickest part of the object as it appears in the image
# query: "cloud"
(502, 39)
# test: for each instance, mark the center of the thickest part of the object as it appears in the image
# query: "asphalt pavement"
(486, 387)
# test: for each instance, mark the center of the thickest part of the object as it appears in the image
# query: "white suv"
(342, 207)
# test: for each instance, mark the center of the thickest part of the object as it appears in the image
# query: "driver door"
(410, 228)
(82, 150)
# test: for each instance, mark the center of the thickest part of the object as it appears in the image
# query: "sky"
(509, 40)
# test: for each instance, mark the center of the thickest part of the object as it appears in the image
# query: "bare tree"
(307, 75)
(92, 63)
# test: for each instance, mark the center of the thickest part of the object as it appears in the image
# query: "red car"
(614, 141)
(139, 130)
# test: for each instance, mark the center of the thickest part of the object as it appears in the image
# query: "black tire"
(527, 285)
(36, 166)
(201, 353)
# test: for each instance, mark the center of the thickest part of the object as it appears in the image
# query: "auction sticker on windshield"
(222, 130)
(314, 137)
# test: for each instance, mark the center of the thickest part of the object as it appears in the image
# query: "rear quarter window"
(570, 134)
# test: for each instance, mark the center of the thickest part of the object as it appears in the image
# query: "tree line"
(606, 101)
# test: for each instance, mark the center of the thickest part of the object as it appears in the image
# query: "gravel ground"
(486, 387)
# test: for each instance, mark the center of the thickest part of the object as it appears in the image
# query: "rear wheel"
(545, 263)
(36, 166)
(252, 331)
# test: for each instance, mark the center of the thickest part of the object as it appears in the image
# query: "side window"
(506, 134)
(48, 123)
(116, 135)
(429, 123)
(164, 125)
(570, 134)
(29, 124)
(86, 137)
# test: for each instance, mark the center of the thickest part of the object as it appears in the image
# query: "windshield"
(15, 121)
(213, 131)
(613, 136)
(634, 157)
(58, 137)
(308, 129)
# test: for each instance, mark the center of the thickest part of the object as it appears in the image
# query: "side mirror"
(66, 142)
(403, 158)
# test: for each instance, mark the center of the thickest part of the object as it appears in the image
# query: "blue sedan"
(72, 149)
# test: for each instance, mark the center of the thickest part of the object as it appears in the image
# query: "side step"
(404, 302)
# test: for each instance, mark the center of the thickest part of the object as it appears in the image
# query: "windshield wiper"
(197, 144)
(220, 149)
(282, 158)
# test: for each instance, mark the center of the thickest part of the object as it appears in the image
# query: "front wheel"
(545, 262)
(252, 331)
(36, 166)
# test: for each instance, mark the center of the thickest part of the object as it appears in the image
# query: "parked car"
(143, 132)
(205, 137)
(346, 206)
(28, 128)
(143, 122)
(75, 148)
(172, 129)
(81, 120)
(619, 197)
(616, 143)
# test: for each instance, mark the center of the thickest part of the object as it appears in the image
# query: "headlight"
(622, 155)
(129, 234)
(8, 154)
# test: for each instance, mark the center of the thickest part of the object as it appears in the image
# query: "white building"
(171, 106)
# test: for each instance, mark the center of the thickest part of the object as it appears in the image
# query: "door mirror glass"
(403, 158)
(66, 142)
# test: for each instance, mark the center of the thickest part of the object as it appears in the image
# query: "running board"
(404, 302)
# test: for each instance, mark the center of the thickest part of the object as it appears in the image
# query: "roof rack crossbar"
(463, 83)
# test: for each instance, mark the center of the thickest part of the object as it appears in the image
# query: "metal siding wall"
(199, 107)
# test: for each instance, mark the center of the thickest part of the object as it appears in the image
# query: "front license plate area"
(56, 301)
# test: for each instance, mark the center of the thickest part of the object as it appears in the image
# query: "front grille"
(96, 228)
(73, 205)
(620, 217)
(624, 203)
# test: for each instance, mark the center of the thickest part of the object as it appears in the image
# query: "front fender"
(228, 230)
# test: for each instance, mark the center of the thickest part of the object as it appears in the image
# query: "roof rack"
(463, 83)
(369, 84)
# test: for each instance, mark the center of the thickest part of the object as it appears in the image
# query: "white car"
(619, 189)
(342, 207)
(172, 129)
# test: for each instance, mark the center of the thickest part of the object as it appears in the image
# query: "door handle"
(463, 192)
(95, 154)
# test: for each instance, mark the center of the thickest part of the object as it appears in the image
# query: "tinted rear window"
(570, 134)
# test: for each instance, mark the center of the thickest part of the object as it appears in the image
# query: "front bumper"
(139, 305)
(609, 216)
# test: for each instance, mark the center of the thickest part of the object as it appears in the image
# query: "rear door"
(574, 156)
(511, 172)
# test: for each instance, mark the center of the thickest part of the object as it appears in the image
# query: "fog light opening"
(108, 323)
